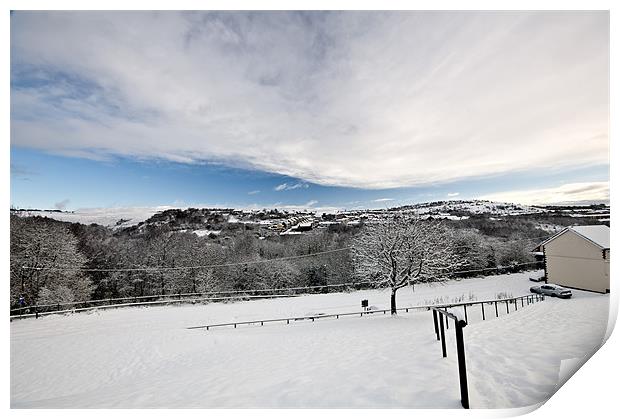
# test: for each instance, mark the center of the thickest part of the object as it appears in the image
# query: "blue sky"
(317, 110)
(40, 180)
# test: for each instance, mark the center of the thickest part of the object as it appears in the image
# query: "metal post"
(507, 309)
(482, 305)
(496, 312)
(521, 302)
(465, 310)
(443, 336)
(435, 323)
(460, 353)
(515, 306)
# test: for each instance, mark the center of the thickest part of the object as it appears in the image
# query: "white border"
(591, 392)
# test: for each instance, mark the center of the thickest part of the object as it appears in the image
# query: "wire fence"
(212, 296)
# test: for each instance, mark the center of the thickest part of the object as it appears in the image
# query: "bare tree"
(41, 250)
(403, 251)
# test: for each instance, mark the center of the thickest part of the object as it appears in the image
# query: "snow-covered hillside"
(146, 357)
(474, 207)
(109, 217)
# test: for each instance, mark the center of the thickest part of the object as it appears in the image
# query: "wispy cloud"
(453, 194)
(312, 203)
(382, 199)
(291, 186)
(466, 94)
(253, 192)
(567, 193)
(21, 172)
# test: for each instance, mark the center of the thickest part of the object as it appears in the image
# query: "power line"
(231, 294)
(172, 268)
(221, 265)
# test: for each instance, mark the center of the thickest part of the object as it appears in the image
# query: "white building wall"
(575, 262)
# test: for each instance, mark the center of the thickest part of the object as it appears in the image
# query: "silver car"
(552, 290)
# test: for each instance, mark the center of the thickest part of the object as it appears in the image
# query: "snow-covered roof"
(597, 234)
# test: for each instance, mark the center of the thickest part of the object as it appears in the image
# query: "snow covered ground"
(146, 357)
(109, 217)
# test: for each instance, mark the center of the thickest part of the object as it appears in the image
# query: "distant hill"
(212, 220)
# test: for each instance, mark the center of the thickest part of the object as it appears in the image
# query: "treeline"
(62, 253)
(53, 261)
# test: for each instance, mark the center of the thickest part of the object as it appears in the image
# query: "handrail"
(447, 313)
(148, 303)
(360, 313)
(174, 294)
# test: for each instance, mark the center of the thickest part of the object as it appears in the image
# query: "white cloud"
(253, 192)
(359, 99)
(288, 187)
(382, 199)
(452, 194)
(312, 203)
(567, 193)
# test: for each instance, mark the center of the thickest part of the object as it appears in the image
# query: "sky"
(320, 110)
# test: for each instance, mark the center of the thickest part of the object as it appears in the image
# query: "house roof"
(597, 234)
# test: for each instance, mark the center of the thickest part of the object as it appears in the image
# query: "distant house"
(578, 257)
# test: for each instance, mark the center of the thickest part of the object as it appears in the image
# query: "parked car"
(552, 290)
(537, 278)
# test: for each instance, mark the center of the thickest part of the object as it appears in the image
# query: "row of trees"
(55, 262)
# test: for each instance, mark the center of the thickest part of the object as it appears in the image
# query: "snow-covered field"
(146, 357)
(109, 217)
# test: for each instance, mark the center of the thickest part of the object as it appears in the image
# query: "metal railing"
(262, 322)
(55, 308)
(460, 323)
(38, 314)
